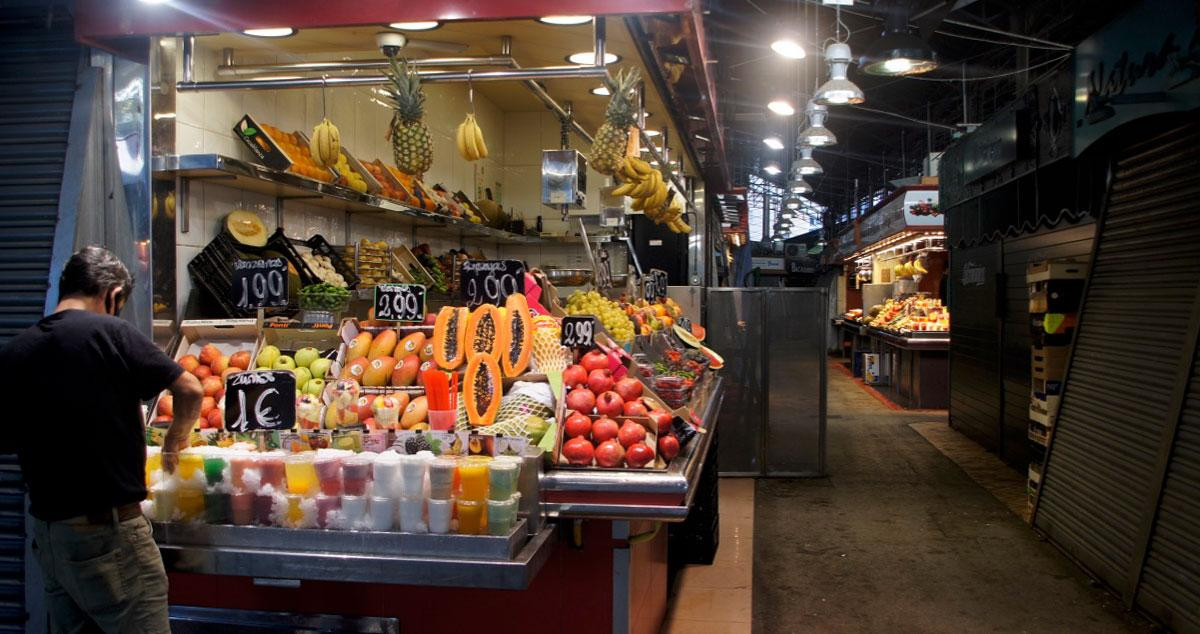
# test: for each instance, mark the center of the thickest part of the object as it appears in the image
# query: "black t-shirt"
(75, 381)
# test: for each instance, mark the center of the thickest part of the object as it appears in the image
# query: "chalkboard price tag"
(260, 283)
(400, 302)
(491, 281)
(654, 285)
(579, 331)
(262, 399)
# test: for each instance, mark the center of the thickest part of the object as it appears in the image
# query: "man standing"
(80, 375)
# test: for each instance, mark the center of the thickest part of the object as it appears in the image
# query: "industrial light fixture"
(793, 203)
(806, 165)
(427, 25)
(838, 90)
(788, 47)
(799, 186)
(838, 3)
(772, 168)
(601, 91)
(282, 31)
(898, 51)
(773, 142)
(781, 107)
(588, 58)
(565, 20)
(816, 134)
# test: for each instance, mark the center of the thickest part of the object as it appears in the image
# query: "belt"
(123, 513)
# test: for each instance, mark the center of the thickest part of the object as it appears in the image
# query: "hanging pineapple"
(608, 149)
(412, 148)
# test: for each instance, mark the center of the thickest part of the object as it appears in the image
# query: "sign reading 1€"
(262, 399)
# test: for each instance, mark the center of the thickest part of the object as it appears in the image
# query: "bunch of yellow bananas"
(650, 194)
(469, 140)
(325, 144)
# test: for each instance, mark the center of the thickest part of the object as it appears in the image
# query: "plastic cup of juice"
(214, 469)
(189, 464)
(356, 473)
(439, 515)
(295, 514)
(262, 509)
(238, 463)
(473, 478)
(412, 476)
(301, 474)
(165, 501)
(329, 474)
(412, 515)
(441, 478)
(325, 504)
(216, 507)
(272, 470)
(383, 513)
(153, 463)
(386, 473)
(442, 420)
(502, 479)
(501, 516)
(191, 503)
(472, 517)
(241, 508)
(354, 509)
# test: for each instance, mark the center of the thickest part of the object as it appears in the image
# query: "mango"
(383, 345)
(405, 373)
(359, 347)
(378, 371)
(416, 412)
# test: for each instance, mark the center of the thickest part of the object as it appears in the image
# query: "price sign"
(579, 331)
(654, 285)
(260, 283)
(263, 399)
(491, 281)
(400, 302)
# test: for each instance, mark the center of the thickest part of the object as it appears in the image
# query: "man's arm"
(188, 395)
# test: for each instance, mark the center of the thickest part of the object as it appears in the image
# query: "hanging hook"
(324, 85)
(471, 90)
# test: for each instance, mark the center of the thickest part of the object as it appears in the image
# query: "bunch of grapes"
(614, 320)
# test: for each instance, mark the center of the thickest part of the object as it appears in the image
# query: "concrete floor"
(900, 539)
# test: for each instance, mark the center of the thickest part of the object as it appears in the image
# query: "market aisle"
(900, 539)
(717, 598)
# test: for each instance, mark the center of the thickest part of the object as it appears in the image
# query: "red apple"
(202, 372)
(610, 453)
(609, 404)
(209, 354)
(207, 404)
(631, 433)
(629, 388)
(230, 371)
(240, 359)
(581, 400)
(215, 418)
(219, 366)
(638, 455)
(668, 446)
(635, 408)
(594, 360)
(189, 362)
(166, 405)
(211, 385)
(363, 407)
(574, 376)
(600, 381)
(662, 419)
(578, 451)
(577, 425)
(604, 429)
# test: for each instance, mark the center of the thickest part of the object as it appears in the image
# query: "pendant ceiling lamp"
(816, 134)
(838, 90)
(806, 165)
(799, 186)
(898, 51)
(792, 203)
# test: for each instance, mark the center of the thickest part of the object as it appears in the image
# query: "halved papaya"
(482, 386)
(517, 331)
(483, 333)
(449, 336)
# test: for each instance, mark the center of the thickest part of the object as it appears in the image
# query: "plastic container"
(356, 473)
(412, 476)
(295, 514)
(271, 470)
(165, 501)
(301, 474)
(329, 474)
(216, 507)
(238, 464)
(412, 515)
(263, 505)
(442, 420)
(473, 478)
(214, 469)
(383, 513)
(325, 504)
(189, 464)
(439, 515)
(441, 478)
(354, 509)
(191, 503)
(501, 516)
(472, 517)
(387, 474)
(241, 508)
(502, 479)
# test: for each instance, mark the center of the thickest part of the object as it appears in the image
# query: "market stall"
(426, 232)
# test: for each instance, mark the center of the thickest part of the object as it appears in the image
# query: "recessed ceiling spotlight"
(427, 25)
(588, 58)
(282, 31)
(652, 133)
(601, 91)
(565, 20)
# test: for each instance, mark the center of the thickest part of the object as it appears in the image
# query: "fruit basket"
(320, 246)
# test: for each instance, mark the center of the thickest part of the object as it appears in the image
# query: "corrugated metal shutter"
(1105, 461)
(37, 86)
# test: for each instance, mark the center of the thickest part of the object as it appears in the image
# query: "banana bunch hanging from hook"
(469, 138)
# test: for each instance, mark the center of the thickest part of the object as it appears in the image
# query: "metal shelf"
(239, 174)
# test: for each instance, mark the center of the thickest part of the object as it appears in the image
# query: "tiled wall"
(204, 122)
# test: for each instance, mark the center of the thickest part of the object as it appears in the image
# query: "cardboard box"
(1055, 296)
(289, 339)
(875, 369)
(1049, 363)
(1063, 269)
(228, 335)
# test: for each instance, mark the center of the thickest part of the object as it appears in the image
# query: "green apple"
(320, 368)
(262, 367)
(267, 356)
(306, 356)
(284, 362)
(314, 387)
(302, 377)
